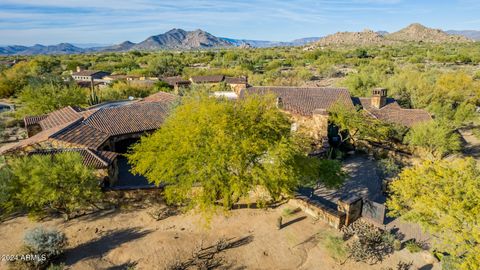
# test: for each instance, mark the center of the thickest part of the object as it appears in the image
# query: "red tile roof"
(82, 135)
(304, 100)
(38, 138)
(160, 97)
(137, 117)
(393, 113)
(91, 158)
(92, 128)
(32, 120)
(59, 117)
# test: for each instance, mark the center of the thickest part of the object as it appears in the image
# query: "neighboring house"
(97, 130)
(308, 106)
(176, 82)
(236, 84)
(209, 79)
(388, 110)
(89, 75)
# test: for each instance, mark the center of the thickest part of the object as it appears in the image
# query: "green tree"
(214, 151)
(44, 97)
(434, 138)
(443, 196)
(356, 125)
(41, 184)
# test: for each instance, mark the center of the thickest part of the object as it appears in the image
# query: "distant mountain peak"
(181, 39)
(419, 33)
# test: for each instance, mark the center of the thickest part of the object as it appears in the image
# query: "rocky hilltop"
(419, 33)
(367, 37)
(412, 33)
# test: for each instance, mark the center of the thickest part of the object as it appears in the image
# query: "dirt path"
(472, 146)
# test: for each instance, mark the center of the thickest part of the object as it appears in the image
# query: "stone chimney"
(379, 97)
(79, 68)
(279, 103)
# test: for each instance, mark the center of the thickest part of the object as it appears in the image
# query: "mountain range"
(179, 39)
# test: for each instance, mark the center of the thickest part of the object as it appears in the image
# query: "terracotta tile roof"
(91, 158)
(304, 100)
(207, 79)
(82, 135)
(93, 127)
(32, 120)
(137, 117)
(37, 138)
(393, 113)
(160, 97)
(234, 80)
(59, 117)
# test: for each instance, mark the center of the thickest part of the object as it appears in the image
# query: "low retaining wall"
(317, 210)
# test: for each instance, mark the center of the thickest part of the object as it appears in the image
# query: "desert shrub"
(369, 244)
(413, 246)
(41, 247)
(336, 247)
(288, 212)
(50, 242)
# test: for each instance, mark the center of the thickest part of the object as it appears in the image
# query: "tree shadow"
(96, 215)
(123, 266)
(293, 221)
(96, 248)
(426, 267)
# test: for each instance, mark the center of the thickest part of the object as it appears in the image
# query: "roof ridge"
(65, 127)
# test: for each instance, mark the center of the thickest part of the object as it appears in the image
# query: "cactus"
(93, 98)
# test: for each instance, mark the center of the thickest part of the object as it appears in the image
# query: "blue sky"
(27, 22)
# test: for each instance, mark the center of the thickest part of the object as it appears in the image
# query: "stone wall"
(333, 217)
(315, 126)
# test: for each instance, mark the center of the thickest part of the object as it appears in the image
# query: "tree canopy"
(434, 139)
(443, 196)
(46, 96)
(43, 183)
(214, 151)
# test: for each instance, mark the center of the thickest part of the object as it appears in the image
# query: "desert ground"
(117, 239)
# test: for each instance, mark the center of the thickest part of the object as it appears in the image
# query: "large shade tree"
(212, 152)
(443, 196)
